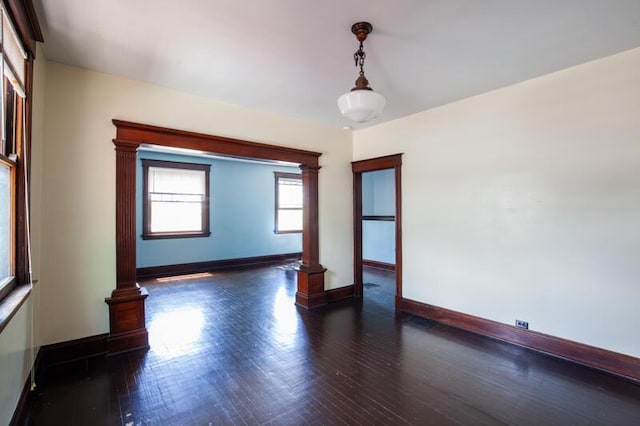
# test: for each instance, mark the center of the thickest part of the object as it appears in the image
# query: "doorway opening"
(378, 225)
(127, 328)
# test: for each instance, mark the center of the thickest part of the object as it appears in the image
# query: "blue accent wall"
(378, 199)
(241, 215)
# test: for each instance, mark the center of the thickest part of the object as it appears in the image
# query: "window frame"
(146, 203)
(9, 283)
(278, 176)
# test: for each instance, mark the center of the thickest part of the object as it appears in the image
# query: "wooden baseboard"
(212, 265)
(20, 412)
(621, 365)
(73, 350)
(379, 265)
(342, 293)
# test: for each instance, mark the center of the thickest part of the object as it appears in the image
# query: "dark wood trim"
(378, 217)
(21, 409)
(621, 365)
(125, 213)
(213, 265)
(127, 322)
(7, 288)
(379, 265)
(126, 304)
(310, 293)
(127, 327)
(73, 350)
(338, 294)
(26, 22)
(171, 235)
(155, 135)
(12, 303)
(146, 209)
(378, 163)
(358, 167)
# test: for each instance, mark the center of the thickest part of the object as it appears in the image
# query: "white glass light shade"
(361, 105)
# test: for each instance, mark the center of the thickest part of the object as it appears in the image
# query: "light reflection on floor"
(184, 277)
(175, 333)
(286, 318)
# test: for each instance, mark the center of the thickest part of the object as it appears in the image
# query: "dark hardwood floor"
(231, 348)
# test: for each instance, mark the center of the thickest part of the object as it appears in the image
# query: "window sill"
(10, 304)
(288, 232)
(167, 235)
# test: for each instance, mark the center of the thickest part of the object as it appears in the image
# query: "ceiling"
(294, 57)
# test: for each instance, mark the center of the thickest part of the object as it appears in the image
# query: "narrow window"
(14, 163)
(175, 199)
(6, 225)
(288, 203)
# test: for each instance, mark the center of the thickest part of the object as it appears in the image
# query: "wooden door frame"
(371, 165)
(127, 327)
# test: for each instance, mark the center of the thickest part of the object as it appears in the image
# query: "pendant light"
(361, 104)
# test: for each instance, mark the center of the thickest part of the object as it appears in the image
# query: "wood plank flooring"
(231, 348)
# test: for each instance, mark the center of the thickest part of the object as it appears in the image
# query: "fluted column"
(127, 328)
(310, 292)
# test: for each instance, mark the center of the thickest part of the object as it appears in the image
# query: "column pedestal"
(127, 330)
(311, 292)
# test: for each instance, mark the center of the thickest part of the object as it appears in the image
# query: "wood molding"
(358, 167)
(72, 350)
(379, 265)
(130, 135)
(127, 327)
(310, 292)
(338, 294)
(621, 365)
(26, 22)
(378, 163)
(379, 218)
(20, 412)
(155, 135)
(127, 324)
(212, 265)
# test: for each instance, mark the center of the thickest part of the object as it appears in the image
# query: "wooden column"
(127, 329)
(310, 292)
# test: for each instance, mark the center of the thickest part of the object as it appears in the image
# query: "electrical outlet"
(522, 324)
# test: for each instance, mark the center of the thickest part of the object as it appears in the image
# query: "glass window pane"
(290, 220)
(179, 181)
(289, 196)
(175, 217)
(5, 221)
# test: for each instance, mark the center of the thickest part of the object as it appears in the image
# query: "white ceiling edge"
(205, 154)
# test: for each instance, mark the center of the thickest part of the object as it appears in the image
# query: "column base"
(127, 327)
(311, 292)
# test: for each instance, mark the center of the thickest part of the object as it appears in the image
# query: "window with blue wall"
(241, 213)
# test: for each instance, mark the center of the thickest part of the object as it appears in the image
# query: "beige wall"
(524, 203)
(15, 360)
(78, 184)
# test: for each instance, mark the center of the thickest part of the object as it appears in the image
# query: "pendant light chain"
(359, 57)
(361, 104)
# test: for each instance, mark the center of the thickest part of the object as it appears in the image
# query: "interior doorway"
(378, 226)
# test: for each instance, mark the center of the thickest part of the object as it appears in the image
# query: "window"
(7, 169)
(288, 203)
(175, 200)
(13, 238)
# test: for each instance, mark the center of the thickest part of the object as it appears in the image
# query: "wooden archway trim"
(127, 328)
